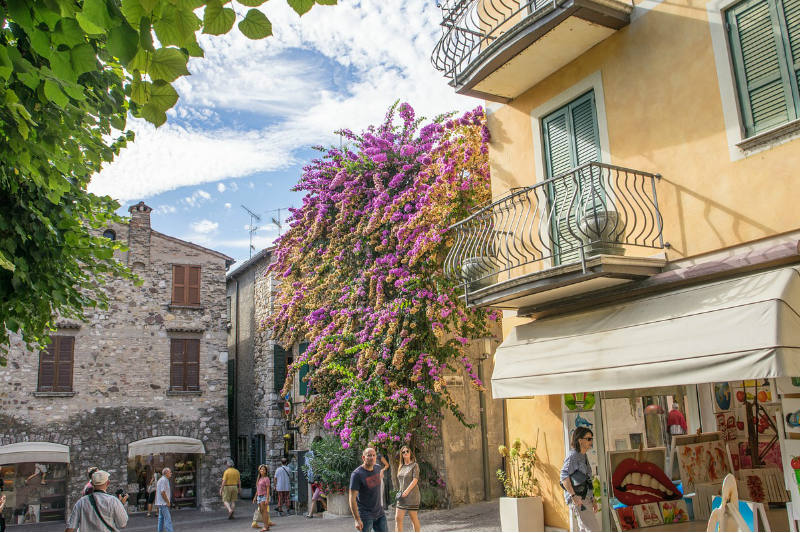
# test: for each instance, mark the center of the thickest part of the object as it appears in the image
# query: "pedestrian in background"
(283, 486)
(316, 496)
(676, 422)
(98, 510)
(365, 494)
(576, 478)
(262, 495)
(151, 490)
(231, 488)
(2, 505)
(87, 489)
(163, 501)
(408, 496)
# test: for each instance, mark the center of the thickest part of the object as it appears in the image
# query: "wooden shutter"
(279, 367)
(759, 57)
(570, 139)
(193, 285)
(47, 366)
(64, 364)
(192, 364)
(789, 13)
(177, 366)
(301, 374)
(178, 284)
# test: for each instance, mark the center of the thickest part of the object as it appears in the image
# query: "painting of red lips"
(642, 482)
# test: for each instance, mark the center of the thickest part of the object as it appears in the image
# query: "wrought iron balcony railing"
(472, 27)
(590, 210)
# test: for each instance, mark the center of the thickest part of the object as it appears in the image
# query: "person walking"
(151, 491)
(230, 488)
(365, 494)
(87, 489)
(2, 505)
(316, 496)
(164, 500)
(676, 422)
(408, 496)
(283, 485)
(576, 479)
(98, 510)
(262, 495)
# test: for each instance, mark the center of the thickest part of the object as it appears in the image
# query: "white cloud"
(233, 186)
(227, 205)
(197, 198)
(204, 226)
(221, 187)
(165, 209)
(380, 52)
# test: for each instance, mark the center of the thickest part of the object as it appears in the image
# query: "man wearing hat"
(98, 511)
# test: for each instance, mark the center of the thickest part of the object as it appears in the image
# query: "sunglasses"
(590, 439)
(405, 452)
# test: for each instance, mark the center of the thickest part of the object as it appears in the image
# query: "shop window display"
(184, 475)
(32, 498)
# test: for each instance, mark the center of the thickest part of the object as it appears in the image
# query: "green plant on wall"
(519, 477)
(332, 464)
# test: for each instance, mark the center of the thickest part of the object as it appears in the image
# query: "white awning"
(34, 452)
(746, 327)
(166, 444)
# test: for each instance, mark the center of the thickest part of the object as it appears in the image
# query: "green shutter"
(303, 371)
(759, 58)
(280, 358)
(570, 140)
(789, 14)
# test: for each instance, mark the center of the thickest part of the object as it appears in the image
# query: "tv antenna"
(252, 228)
(277, 220)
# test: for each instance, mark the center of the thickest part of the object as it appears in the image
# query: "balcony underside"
(565, 281)
(538, 46)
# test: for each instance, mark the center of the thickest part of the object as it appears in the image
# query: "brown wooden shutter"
(47, 366)
(178, 284)
(177, 366)
(64, 364)
(192, 364)
(193, 286)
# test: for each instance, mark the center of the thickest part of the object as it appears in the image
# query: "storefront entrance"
(182, 455)
(34, 476)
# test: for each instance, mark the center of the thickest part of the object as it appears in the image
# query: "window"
(305, 388)
(281, 360)
(185, 285)
(241, 451)
(184, 368)
(571, 139)
(110, 234)
(55, 365)
(764, 37)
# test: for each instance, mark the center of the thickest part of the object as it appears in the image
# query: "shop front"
(34, 481)
(721, 354)
(148, 457)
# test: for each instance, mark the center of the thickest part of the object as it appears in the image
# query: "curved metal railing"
(472, 27)
(590, 210)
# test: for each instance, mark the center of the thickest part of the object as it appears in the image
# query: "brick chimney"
(139, 235)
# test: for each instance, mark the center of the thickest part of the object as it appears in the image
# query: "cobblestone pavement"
(476, 517)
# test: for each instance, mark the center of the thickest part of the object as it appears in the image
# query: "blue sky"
(251, 110)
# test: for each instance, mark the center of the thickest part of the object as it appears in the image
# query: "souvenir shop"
(34, 481)
(148, 457)
(723, 354)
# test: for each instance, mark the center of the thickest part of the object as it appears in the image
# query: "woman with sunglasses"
(576, 478)
(408, 495)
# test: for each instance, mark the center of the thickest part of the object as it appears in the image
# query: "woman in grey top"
(408, 495)
(580, 498)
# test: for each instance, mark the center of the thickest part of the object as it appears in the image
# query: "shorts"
(151, 497)
(230, 493)
(261, 499)
(317, 495)
(40, 468)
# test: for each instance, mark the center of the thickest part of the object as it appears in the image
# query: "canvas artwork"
(579, 401)
(722, 396)
(770, 454)
(648, 515)
(738, 394)
(788, 385)
(674, 511)
(627, 518)
(582, 419)
(752, 486)
(763, 427)
(791, 415)
(716, 462)
(792, 466)
(692, 466)
(726, 425)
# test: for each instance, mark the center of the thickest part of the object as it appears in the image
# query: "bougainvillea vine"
(361, 276)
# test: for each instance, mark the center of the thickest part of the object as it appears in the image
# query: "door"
(571, 140)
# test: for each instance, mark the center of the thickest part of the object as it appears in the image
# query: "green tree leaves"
(255, 25)
(218, 20)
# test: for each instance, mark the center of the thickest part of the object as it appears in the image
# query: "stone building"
(137, 387)
(257, 422)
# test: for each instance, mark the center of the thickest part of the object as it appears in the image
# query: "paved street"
(476, 517)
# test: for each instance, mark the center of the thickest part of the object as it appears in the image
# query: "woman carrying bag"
(576, 479)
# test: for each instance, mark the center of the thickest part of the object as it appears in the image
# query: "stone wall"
(121, 374)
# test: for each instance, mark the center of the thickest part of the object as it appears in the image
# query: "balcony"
(497, 49)
(588, 229)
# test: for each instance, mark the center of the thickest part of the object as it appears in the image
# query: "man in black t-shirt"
(365, 494)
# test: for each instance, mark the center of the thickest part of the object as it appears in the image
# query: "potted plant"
(332, 465)
(601, 232)
(521, 509)
(479, 271)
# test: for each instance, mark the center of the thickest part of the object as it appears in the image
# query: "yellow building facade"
(701, 95)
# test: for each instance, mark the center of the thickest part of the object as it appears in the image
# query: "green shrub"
(332, 464)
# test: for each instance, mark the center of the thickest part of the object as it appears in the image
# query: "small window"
(110, 234)
(185, 285)
(55, 365)
(765, 45)
(184, 368)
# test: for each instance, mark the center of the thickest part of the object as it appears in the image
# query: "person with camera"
(98, 510)
(576, 479)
